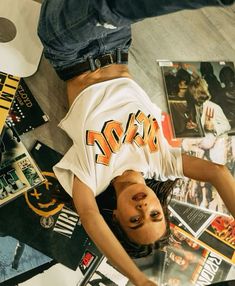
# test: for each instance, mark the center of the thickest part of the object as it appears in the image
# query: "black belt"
(93, 63)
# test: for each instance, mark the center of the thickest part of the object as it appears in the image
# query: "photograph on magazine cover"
(25, 113)
(200, 97)
(217, 237)
(188, 263)
(201, 194)
(17, 258)
(18, 171)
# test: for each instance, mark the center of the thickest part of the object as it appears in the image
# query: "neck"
(128, 178)
(77, 84)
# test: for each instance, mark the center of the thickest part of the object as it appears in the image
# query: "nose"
(141, 205)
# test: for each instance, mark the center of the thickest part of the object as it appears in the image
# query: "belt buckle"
(110, 58)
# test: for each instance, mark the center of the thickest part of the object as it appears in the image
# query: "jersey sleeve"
(171, 164)
(73, 165)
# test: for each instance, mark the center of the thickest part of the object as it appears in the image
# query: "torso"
(76, 85)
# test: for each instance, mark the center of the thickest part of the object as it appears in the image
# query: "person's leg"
(80, 31)
(129, 11)
(72, 31)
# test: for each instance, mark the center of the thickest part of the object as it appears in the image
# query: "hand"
(191, 125)
(146, 282)
(209, 125)
(149, 283)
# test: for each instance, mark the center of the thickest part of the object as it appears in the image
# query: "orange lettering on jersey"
(144, 120)
(110, 139)
(93, 137)
(131, 129)
(153, 132)
(113, 132)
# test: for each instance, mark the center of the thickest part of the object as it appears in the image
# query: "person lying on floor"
(115, 128)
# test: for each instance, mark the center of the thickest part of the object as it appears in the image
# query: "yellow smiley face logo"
(42, 199)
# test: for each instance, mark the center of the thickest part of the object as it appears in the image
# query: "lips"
(139, 196)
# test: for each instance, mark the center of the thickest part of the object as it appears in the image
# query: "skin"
(142, 219)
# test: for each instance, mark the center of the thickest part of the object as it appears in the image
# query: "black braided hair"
(107, 203)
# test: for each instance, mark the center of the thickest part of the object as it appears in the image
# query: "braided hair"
(107, 203)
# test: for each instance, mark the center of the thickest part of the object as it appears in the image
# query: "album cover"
(218, 236)
(45, 218)
(25, 113)
(188, 263)
(200, 194)
(200, 97)
(18, 171)
(194, 219)
(17, 258)
(8, 88)
(168, 130)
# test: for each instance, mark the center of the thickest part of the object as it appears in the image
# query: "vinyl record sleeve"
(45, 218)
(18, 258)
(200, 97)
(8, 88)
(18, 171)
(25, 113)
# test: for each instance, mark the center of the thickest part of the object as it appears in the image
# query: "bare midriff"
(77, 84)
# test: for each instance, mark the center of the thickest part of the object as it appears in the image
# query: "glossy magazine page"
(218, 236)
(200, 97)
(200, 194)
(188, 263)
(18, 171)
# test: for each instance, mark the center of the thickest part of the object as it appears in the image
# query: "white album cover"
(20, 47)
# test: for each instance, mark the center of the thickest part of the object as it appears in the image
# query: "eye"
(135, 219)
(154, 214)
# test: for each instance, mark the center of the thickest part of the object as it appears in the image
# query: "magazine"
(45, 218)
(218, 236)
(153, 265)
(200, 97)
(101, 273)
(200, 194)
(8, 88)
(106, 275)
(194, 219)
(168, 131)
(188, 263)
(18, 258)
(25, 113)
(18, 171)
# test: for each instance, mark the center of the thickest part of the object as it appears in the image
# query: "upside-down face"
(198, 89)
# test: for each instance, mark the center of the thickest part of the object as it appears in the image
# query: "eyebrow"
(141, 224)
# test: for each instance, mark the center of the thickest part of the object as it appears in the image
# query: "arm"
(102, 236)
(218, 175)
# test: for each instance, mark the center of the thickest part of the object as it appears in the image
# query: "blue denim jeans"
(73, 30)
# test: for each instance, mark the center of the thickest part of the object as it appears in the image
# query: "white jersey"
(115, 127)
